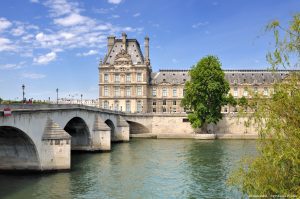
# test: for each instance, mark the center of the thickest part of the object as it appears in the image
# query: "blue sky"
(49, 44)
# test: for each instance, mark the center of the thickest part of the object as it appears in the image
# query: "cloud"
(61, 7)
(71, 20)
(114, 1)
(12, 66)
(197, 25)
(115, 16)
(45, 59)
(6, 45)
(90, 52)
(33, 75)
(4, 24)
(18, 31)
(34, 1)
(136, 14)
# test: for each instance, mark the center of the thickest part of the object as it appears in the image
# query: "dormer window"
(183, 74)
(184, 80)
(173, 74)
(164, 74)
(164, 80)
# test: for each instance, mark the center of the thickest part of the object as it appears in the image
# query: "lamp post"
(23, 88)
(57, 96)
(81, 98)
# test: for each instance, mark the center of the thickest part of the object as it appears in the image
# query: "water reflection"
(140, 169)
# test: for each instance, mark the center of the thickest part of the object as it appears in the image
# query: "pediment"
(123, 58)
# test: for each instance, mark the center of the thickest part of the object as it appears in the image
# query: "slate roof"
(250, 77)
(133, 49)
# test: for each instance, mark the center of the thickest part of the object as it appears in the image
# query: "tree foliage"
(206, 92)
(276, 170)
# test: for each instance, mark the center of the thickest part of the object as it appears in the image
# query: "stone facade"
(127, 83)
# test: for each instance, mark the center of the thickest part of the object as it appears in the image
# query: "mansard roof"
(250, 77)
(133, 49)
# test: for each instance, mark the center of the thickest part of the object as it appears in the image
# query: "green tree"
(276, 169)
(206, 92)
(1, 100)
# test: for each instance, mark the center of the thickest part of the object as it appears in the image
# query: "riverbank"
(196, 136)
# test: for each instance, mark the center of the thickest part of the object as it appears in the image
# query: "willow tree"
(206, 92)
(276, 169)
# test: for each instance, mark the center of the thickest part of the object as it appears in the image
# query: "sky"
(50, 44)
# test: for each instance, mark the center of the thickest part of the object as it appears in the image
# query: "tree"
(1, 100)
(276, 169)
(206, 92)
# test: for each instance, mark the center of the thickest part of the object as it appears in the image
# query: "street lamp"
(81, 98)
(23, 88)
(57, 96)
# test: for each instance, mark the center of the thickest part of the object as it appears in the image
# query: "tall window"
(117, 78)
(128, 77)
(139, 106)
(164, 92)
(174, 92)
(139, 90)
(105, 105)
(128, 91)
(235, 91)
(174, 102)
(266, 91)
(117, 91)
(116, 105)
(106, 78)
(154, 103)
(128, 107)
(164, 102)
(245, 92)
(164, 109)
(105, 90)
(139, 77)
(153, 91)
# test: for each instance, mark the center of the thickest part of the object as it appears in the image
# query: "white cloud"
(114, 1)
(90, 52)
(71, 20)
(6, 45)
(197, 25)
(61, 7)
(136, 14)
(12, 66)
(34, 1)
(33, 75)
(4, 24)
(45, 59)
(18, 31)
(115, 16)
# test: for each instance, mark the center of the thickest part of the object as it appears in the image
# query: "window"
(174, 109)
(128, 78)
(105, 78)
(154, 103)
(105, 90)
(174, 102)
(245, 92)
(139, 77)
(117, 78)
(117, 91)
(183, 92)
(164, 102)
(128, 107)
(255, 89)
(153, 91)
(116, 105)
(139, 106)
(174, 92)
(164, 109)
(235, 91)
(128, 91)
(105, 105)
(225, 110)
(266, 91)
(235, 81)
(139, 90)
(154, 110)
(164, 92)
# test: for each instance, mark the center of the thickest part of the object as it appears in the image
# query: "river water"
(142, 168)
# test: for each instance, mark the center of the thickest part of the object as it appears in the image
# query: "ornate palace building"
(127, 83)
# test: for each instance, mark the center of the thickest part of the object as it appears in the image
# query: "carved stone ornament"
(123, 58)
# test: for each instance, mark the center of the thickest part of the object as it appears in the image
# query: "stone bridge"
(41, 137)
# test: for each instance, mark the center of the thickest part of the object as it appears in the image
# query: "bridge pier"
(121, 131)
(56, 148)
(101, 135)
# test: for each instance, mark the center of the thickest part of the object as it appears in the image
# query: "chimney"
(124, 37)
(110, 43)
(147, 48)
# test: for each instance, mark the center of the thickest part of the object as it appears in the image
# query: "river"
(142, 168)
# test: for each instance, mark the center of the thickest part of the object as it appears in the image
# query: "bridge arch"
(137, 128)
(112, 128)
(17, 150)
(79, 132)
